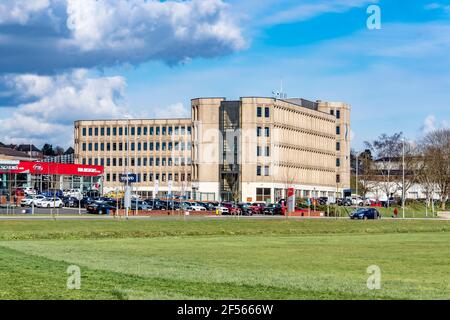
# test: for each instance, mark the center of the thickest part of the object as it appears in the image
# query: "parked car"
(92, 194)
(273, 209)
(365, 214)
(357, 201)
(195, 208)
(53, 193)
(100, 208)
(322, 201)
(346, 202)
(258, 207)
(50, 203)
(75, 193)
(156, 204)
(232, 208)
(29, 200)
(140, 205)
(246, 209)
(72, 202)
(389, 203)
(207, 205)
(222, 210)
(29, 191)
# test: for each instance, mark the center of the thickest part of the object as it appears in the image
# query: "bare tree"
(413, 165)
(386, 150)
(436, 157)
(365, 172)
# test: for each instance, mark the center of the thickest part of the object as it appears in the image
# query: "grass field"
(225, 259)
(412, 210)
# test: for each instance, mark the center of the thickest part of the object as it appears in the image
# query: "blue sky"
(396, 78)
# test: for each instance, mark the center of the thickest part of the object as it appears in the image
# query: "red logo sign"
(38, 167)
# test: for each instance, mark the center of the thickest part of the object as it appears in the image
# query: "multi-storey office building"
(157, 151)
(251, 149)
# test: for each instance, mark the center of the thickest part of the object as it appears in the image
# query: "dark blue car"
(365, 214)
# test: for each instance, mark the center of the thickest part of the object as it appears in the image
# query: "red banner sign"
(49, 168)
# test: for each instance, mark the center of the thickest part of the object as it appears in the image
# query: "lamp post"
(357, 172)
(127, 189)
(403, 177)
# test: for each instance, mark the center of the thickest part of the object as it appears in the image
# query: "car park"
(365, 214)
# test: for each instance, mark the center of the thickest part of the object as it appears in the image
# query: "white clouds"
(93, 33)
(177, 110)
(438, 6)
(431, 124)
(310, 9)
(58, 101)
(19, 11)
(145, 25)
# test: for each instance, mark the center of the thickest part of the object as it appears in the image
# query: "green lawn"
(414, 210)
(225, 259)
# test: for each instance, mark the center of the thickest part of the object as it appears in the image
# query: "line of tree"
(47, 150)
(426, 163)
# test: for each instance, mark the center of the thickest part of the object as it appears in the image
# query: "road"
(73, 214)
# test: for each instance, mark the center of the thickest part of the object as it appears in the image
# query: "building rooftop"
(27, 148)
(13, 153)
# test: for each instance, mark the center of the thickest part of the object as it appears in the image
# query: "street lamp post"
(403, 177)
(127, 192)
(357, 172)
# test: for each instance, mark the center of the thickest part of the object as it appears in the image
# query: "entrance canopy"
(49, 168)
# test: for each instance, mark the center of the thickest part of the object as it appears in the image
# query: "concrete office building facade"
(251, 149)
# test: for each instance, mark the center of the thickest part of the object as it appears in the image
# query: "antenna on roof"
(279, 94)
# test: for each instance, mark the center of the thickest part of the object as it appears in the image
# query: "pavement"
(444, 215)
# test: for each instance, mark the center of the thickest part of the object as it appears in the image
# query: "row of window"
(144, 177)
(259, 172)
(338, 113)
(119, 162)
(259, 151)
(259, 112)
(138, 131)
(266, 131)
(140, 146)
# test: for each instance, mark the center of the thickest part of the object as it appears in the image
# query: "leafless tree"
(413, 165)
(436, 157)
(386, 151)
(365, 172)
